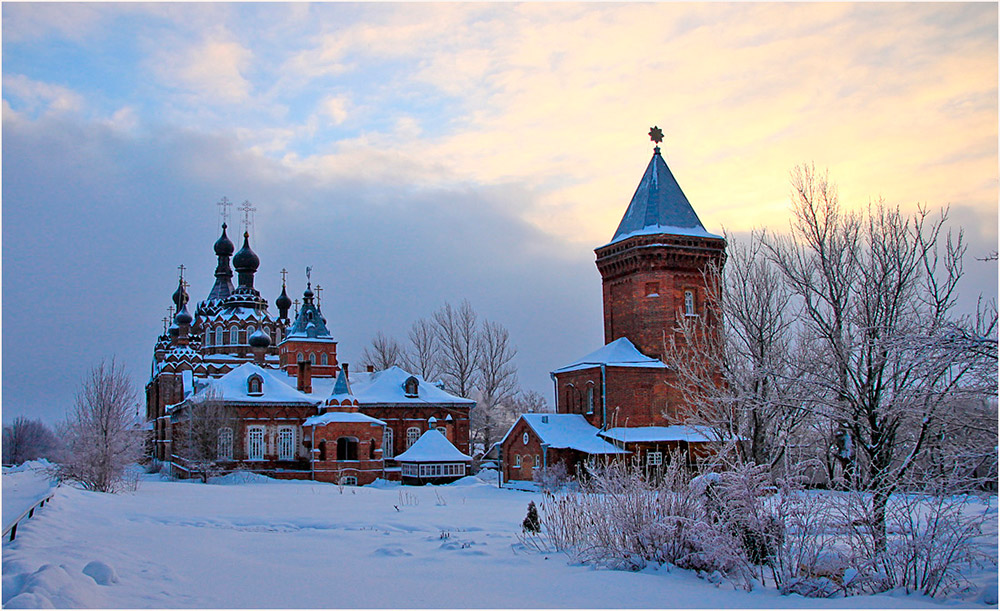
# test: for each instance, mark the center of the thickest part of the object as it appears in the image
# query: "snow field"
(284, 544)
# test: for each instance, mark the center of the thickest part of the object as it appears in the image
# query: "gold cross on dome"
(656, 134)
(284, 272)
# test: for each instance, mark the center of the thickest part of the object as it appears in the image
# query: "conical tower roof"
(659, 206)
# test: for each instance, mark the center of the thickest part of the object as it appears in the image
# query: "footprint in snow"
(392, 550)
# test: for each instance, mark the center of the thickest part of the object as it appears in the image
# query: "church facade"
(234, 387)
(622, 397)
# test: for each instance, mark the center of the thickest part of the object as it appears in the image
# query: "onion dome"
(224, 246)
(183, 318)
(174, 330)
(283, 302)
(180, 296)
(259, 339)
(246, 261)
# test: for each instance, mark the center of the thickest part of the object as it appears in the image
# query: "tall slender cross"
(284, 272)
(296, 304)
(224, 204)
(248, 211)
(170, 312)
(319, 291)
(165, 320)
(181, 268)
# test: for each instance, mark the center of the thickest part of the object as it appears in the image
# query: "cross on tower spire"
(248, 210)
(284, 272)
(181, 268)
(319, 291)
(224, 205)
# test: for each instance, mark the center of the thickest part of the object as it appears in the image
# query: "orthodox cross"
(165, 320)
(284, 272)
(224, 204)
(296, 304)
(182, 268)
(319, 291)
(656, 134)
(170, 312)
(248, 211)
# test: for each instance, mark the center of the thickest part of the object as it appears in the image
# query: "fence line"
(28, 513)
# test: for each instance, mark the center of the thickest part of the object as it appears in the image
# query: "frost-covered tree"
(101, 435)
(457, 331)
(877, 290)
(497, 383)
(27, 439)
(204, 435)
(422, 355)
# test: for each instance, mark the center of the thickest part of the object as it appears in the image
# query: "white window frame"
(525, 438)
(412, 435)
(654, 458)
(689, 303)
(348, 480)
(387, 443)
(590, 399)
(234, 335)
(286, 443)
(538, 461)
(256, 447)
(517, 460)
(224, 447)
(220, 336)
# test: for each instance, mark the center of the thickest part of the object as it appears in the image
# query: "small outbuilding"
(432, 459)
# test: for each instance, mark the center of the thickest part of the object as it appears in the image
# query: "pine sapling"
(531, 523)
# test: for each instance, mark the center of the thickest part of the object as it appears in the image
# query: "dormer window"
(255, 385)
(410, 387)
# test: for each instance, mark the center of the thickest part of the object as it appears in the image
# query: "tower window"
(234, 335)
(689, 303)
(324, 359)
(299, 358)
(219, 336)
(312, 358)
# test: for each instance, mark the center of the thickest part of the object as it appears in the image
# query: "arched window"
(220, 335)
(689, 303)
(312, 358)
(538, 461)
(255, 385)
(208, 337)
(299, 358)
(387, 444)
(410, 387)
(347, 448)
(250, 330)
(517, 460)
(349, 480)
(412, 435)
(324, 359)
(322, 450)
(371, 449)
(590, 399)
(234, 335)
(225, 447)
(255, 443)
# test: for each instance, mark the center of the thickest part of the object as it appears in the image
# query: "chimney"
(305, 377)
(371, 369)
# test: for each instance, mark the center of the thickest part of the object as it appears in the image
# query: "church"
(233, 387)
(621, 399)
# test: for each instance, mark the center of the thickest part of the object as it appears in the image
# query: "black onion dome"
(308, 294)
(259, 339)
(183, 318)
(179, 297)
(246, 260)
(283, 302)
(224, 247)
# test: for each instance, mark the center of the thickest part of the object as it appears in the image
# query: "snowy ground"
(302, 544)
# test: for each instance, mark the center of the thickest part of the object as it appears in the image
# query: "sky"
(417, 154)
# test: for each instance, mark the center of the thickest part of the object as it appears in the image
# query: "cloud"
(335, 108)
(38, 97)
(212, 69)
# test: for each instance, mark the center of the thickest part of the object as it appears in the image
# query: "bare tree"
(457, 333)
(101, 435)
(496, 382)
(530, 402)
(205, 435)
(739, 380)
(423, 355)
(384, 352)
(877, 295)
(25, 440)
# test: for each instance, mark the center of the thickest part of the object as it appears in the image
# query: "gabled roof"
(567, 431)
(659, 206)
(432, 446)
(386, 386)
(233, 387)
(675, 432)
(619, 353)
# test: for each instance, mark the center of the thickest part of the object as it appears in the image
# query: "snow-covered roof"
(432, 446)
(329, 417)
(659, 206)
(619, 353)
(381, 387)
(233, 387)
(675, 432)
(567, 431)
(341, 389)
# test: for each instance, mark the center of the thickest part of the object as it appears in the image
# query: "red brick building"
(295, 410)
(653, 273)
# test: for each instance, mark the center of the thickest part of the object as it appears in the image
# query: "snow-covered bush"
(552, 477)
